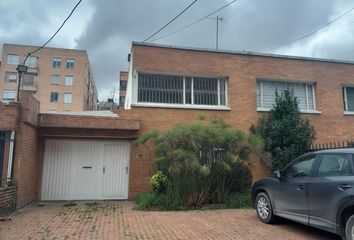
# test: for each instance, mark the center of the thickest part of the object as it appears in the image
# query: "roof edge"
(246, 53)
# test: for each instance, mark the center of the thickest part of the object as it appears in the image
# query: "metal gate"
(3, 138)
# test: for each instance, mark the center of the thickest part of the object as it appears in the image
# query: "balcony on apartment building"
(28, 82)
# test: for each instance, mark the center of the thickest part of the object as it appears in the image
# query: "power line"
(193, 23)
(171, 21)
(308, 34)
(61, 26)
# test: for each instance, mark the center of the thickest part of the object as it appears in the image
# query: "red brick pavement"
(118, 220)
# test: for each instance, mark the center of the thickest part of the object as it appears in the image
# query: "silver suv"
(315, 189)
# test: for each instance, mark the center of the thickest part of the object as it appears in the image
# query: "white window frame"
(55, 84)
(70, 62)
(183, 105)
(344, 89)
(31, 62)
(265, 109)
(56, 60)
(9, 61)
(8, 80)
(50, 97)
(66, 100)
(8, 91)
(66, 80)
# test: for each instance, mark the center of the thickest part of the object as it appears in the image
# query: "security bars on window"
(168, 89)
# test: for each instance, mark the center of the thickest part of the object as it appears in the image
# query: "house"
(61, 79)
(169, 84)
(89, 155)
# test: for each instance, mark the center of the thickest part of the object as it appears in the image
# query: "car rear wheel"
(264, 208)
(349, 228)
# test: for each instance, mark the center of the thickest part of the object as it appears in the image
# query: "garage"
(85, 170)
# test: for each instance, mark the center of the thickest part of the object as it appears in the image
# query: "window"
(55, 80)
(54, 96)
(70, 62)
(11, 77)
(27, 79)
(335, 165)
(123, 85)
(157, 88)
(348, 97)
(69, 80)
(300, 168)
(9, 95)
(13, 59)
(56, 62)
(31, 62)
(67, 98)
(304, 93)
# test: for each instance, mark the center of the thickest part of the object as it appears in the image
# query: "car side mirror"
(277, 174)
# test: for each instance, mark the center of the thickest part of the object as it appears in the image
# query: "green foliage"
(159, 182)
(285, 133)
(197, 159)
(239, 179)
(239, 200)
(168, 201)
(146, 201)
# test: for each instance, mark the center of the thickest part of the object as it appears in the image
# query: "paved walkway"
(118, 220)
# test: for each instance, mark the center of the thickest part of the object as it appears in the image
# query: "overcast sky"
(106, 28)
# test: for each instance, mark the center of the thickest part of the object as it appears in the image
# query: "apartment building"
(61, 79)
(123, 79)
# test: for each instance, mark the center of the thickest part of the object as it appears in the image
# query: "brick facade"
(7, 200)
(242, 71)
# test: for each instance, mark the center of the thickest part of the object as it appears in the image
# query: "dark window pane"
(160, 88)
(300, 168)
(350, 98)
(123, 85)
(335, 165)
(205, 91)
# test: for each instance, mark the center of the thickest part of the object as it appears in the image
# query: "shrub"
(239, 179)
(286, 135)
(146, 201)
(159, 182)
(239, 200)
(197, 158)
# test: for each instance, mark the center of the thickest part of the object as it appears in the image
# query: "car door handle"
(301, 187)
(344, 187)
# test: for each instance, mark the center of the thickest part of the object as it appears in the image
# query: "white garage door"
(85, 170)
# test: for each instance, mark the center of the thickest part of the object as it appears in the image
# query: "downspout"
(11, 156)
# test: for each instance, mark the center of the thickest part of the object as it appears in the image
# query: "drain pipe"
(11, 156)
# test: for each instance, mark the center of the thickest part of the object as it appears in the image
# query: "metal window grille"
(158, 88)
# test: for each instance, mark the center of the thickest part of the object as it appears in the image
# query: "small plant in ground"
(159, 182)
(239, 200)
(91, 204)
(40, 204)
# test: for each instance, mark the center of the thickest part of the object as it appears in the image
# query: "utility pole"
(218, 19)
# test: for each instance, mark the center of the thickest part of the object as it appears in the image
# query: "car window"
(335, 165)
(300, 168)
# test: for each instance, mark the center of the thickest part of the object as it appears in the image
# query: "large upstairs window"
(181, 90)
(304, 92)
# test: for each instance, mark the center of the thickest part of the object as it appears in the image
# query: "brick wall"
(7, 200)
(9, 115)
(242, 72)
(27, 165)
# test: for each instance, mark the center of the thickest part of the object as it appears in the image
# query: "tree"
(285, 133)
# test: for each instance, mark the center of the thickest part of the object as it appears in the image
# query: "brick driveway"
(118, 220)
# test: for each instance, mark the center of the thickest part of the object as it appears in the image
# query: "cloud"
(106, 28)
